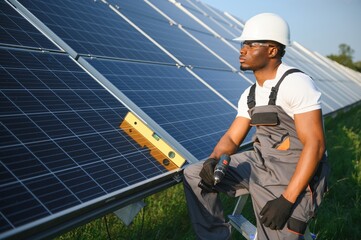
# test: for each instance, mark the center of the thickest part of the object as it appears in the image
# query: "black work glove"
(276, 213)
(207, 171)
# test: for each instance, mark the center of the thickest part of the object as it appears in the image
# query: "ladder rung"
(248, 230)
(240, 223)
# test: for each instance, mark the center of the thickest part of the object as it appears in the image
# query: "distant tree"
(358, 66)
(345, 57)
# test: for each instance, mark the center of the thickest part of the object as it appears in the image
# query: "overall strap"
(251, 100)
(274, 90)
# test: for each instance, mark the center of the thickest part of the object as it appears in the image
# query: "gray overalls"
(265, 172)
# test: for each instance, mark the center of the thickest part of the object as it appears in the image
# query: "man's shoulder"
(283, 68)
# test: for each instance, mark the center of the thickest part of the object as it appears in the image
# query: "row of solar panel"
(63, 99)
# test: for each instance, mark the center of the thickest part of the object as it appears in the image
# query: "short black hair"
(281, 48)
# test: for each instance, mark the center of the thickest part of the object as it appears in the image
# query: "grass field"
(165, 215)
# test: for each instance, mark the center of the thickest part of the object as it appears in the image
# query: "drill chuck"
(221, 168)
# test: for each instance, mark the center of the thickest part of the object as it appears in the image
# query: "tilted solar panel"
(207, 20)
(178, 43)
(91, 28)
(221, 47)
(134, 7)
(226, 51)
(227, 83)
(188, 110)
(217, 15)
(61, 145)
(175, 14)
(340, 81)
(17, 31)
(331, 101)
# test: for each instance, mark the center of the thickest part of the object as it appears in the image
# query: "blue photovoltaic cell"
(135, 6)
(177, 42)
(224, 32)
(232, 29)
(231, 85)
(188, 5)
(191, 113)
(216, 15)
(185, 20)
(176, 14)
(330, 100)
(60, 142)
(91, 27)
(219, 47)
(15, 30)
(328, 82)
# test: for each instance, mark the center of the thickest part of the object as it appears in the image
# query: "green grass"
(165, 215)
(340, 213)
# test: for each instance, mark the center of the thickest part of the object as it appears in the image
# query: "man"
(286, 171)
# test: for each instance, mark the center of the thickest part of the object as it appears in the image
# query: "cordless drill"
(221, 168)
(219, 172)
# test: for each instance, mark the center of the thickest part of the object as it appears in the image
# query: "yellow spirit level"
(145, 137)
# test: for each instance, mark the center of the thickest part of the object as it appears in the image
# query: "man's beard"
(244, 68)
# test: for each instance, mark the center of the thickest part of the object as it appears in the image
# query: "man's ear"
(273, 52)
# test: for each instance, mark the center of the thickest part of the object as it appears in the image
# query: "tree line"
(345, 57)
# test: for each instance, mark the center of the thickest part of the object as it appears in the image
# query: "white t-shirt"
(297, 94)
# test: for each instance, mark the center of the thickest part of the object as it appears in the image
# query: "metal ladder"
(246, 228)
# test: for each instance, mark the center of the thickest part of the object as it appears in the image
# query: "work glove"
(276, 213)
(207, 171)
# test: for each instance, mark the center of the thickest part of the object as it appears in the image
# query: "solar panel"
(210, 22)
(215, 14)
(175, 14)
(227, 83)
(229, 53)
(134, 6)
(17, 31)
(323, 79)
(188, 110)
(91, 28)
(176, 41)
(61, 144)
(341, 81)
(220, 18)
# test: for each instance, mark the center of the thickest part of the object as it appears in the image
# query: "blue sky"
(318, 25)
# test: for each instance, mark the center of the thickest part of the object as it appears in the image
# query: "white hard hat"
(266, 26)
